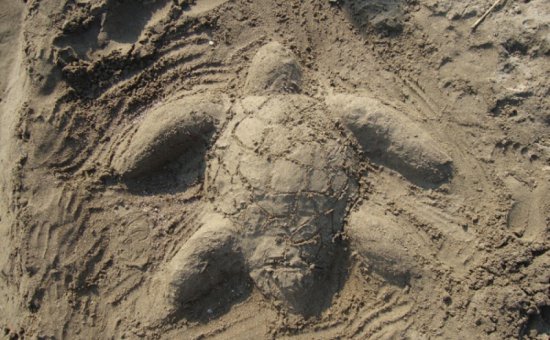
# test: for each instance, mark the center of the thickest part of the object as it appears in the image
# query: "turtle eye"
(170, 143)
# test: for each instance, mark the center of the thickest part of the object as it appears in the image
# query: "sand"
(435, 158)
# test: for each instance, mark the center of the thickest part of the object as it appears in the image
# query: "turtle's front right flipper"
(169, 131)
(391, 138)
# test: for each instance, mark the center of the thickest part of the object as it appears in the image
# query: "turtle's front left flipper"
(167, 132)
(391, 138)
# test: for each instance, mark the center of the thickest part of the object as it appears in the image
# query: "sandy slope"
(11, 95)
(80, 246)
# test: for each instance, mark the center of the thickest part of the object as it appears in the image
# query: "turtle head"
(274, 70)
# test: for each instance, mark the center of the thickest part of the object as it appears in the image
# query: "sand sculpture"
(281, 178)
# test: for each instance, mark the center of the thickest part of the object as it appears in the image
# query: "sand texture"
(236, 169)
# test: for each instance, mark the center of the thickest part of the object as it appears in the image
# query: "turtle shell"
(281, 168)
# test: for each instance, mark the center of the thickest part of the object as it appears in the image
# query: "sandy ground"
(80, 247)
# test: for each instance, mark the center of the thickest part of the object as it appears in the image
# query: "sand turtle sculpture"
(281, 178)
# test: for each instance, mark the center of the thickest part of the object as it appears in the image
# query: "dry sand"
(87, 233)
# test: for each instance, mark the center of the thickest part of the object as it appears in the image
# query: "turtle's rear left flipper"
(209, 258)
